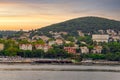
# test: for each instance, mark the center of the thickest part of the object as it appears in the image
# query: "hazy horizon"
(34, 14)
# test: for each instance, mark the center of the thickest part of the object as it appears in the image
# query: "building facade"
(97, 49)
(25, 46)
(1, 46)
(84, 50)
(70, 49)
(100, 38)
(42, 47)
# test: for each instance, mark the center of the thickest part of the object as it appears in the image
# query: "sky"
(34, 14)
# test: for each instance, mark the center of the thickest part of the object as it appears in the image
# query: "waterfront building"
(84, 50)
(97, 49)
(42, 47)
(70, 49)
(1, 46)
(25, 46)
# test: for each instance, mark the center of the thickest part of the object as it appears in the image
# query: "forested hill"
(86, 24)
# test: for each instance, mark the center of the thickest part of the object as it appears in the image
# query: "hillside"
(86, 24)
(7, 33)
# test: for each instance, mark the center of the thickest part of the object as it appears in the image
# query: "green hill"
(86, 24)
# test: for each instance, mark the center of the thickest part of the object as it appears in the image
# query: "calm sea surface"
(28, 72)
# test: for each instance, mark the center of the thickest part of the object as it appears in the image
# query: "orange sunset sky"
(33, 14)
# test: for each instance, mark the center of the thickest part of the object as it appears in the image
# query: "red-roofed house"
(97, 49)
(70, 49)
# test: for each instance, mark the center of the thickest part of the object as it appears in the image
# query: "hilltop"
(85, 24)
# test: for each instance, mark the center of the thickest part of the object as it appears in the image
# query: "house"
(76, 45)
(64, 33)
(84, 50)
(97, 49)
(115, 38)
(55, 33)
(51, 32)
(57, 36)
(25, 46)
(25, 35)
(67, 42)
(50, 43)
(59, 41)
(100, 38)
(36, 37)
(42, 47)
(1, 46)
(111, 32)
(80, 33)
(70, 49)
(44, 38)
(83, 42)
(101, 31)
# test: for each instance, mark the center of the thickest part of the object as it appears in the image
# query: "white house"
(115, 38)
(81, 33)
(59, 41)
(42, 47)
(50, 43)
(25, 46)
(84, 50)
(100, 38)
(1, 46)
(44, 38)
(36, 37)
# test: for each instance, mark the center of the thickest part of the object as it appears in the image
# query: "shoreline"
(56, 61)
(77, 63)
(55, 67)
(76, 70)
(110, 63)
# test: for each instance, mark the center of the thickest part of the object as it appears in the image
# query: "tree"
(93, 56)
(38, 53)
(11, 51)
(23, 41)
(69, 44)
(51, 54)
(39, 42)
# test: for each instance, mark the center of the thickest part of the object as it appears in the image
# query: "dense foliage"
(12, 49)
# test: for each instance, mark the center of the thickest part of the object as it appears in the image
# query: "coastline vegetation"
(111, 51)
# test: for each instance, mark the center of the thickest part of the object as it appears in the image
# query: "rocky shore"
(19, 60)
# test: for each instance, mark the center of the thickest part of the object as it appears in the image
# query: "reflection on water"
(57, 75)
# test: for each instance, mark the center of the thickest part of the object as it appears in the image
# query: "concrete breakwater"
(19, 60)
(99, 62)
(34, 60)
